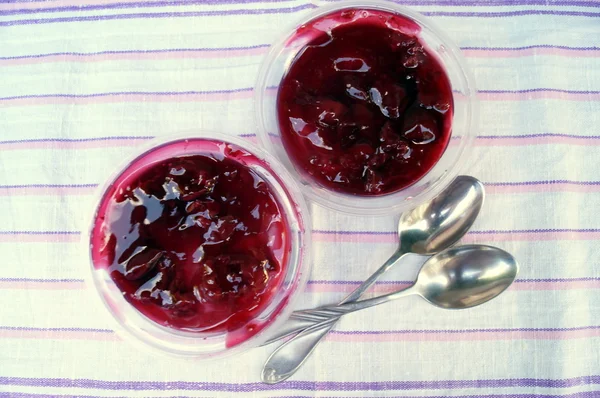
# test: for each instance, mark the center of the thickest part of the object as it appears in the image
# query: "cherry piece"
(141, 263)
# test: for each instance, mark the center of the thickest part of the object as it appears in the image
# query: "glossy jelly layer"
(365, 108)
(197, 243)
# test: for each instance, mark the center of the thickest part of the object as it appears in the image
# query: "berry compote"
(196, 242)
(365, 107)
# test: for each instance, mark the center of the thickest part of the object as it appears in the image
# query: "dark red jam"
(196, 243)
(365, 108)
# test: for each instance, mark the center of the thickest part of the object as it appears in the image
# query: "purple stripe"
(168, 3)
(461, 331)
(487, 3)
(114, 138)
(144, 138)
(345, 332)
(93, 95)
(329, 282)
(301, 385)
(543, 280)
(145, 4)
(525, 136)
(532, 48)
(322, 281)
(482, 3)
(279, 11)
(93, 139)
(546, 182)
(533, 280)
(225, 49)
(588, 394)
(64, 280)
(70, 329)
(140, 4)
(28, 395)
(329, 232)
(48, 186)
(146, 15)
(160, 51)
(532, 231)
(509, 13)
(494, 231)
(249, 89)
(40, 233)
(538, 90)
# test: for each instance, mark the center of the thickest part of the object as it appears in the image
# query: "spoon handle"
(288, 358)
(336, 311)
(300, 320)
(355, 295)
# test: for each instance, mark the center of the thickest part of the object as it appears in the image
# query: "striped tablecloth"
(85, 82)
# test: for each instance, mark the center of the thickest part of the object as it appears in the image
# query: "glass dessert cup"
(271, 96)
(259, 231)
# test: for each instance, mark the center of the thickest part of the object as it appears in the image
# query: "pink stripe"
(354, 237)
(58, 335)
(35, 285)
(562, 285)
(40, 191)
(428, 336)
(345, 337)
(203, 53)
(113, 142)
(539, 140)
(328, 287)
(126, 142)
(138, 56)
(19, 238)
(125, 97)
(116, 142)
(525, 236)
(361, 237)
(55, 3)
(535, 95)
(542, 187)
(528, 52)
(247, 94)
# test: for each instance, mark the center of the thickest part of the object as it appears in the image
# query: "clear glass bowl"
(464, 124)
(141, 329)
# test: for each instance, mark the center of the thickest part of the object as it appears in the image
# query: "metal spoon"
(427, 229)
(460, 277)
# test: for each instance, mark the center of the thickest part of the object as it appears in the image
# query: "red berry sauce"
(365, 107)
(195, 242)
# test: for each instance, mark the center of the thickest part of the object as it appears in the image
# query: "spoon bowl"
(466, 276)
(441, 222)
